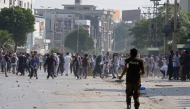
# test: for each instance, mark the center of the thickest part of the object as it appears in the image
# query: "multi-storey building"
(21, 3)
(185, 4)
(100, 27)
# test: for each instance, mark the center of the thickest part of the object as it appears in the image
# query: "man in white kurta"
(67, 64)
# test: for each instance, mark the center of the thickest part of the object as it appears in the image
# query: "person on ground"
(164, 68)
(170, 65)
(14, 60)
(176, 65)
(134, 68)
(50, 62)
(21, 62)
(85, 65)
(67, 59)
(105, 70)
(116, 65)
(4, 63)
(34, 67)
(185, 66)
(97, 68)
(56, 58)
(77, 64)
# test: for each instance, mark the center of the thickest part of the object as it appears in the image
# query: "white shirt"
(164, 67)
(67, 59)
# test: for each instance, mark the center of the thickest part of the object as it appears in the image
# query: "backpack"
(160, 63)
(13, 59)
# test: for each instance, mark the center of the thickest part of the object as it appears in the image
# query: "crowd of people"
(175, 65)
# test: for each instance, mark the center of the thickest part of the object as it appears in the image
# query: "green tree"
(141, 30)
(85, 41)
(17, 21)
(121, 35)
(5, 39)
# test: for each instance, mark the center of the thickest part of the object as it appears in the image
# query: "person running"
(50, 62)
(67, 59)
(105, 70)
(21, 66)
(134, 68)
(97, 68)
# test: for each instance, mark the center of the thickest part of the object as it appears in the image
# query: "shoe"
(66, 75)
(17, 74)
(128, 106)
(36, 77)
(30, 77)
(113, 77)
(94, 77)
(6, 76)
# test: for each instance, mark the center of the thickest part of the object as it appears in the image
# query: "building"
(21, 3)
(185, 4)
(36, 40)
(131, 15)
(117, 14)
(101, 22)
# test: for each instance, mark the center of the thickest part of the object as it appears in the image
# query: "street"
(67, 93)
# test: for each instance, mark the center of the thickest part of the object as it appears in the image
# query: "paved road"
(67, 93)
(61, 93)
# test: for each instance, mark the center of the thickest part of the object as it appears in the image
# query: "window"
(71, 8)
(20, 3)
(25, 5)
(10, 2)
(4, 1)
(31, 6)
(28, 5)
(77, 1)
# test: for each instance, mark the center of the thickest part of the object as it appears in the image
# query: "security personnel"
(134, 68)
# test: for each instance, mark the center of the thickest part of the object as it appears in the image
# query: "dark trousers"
(2, 68)
(27, 69)
(185, 72)
(50, 71)
(60, 69)
(133, 90)
(163, 72)
(71, 68)
(33, 71)
(76, 69)
(40, 65)
(170, 71)
(176, 73)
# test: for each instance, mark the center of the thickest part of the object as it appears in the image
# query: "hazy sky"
(101, 4)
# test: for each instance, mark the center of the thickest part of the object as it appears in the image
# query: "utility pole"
(150, 24)
(166, 23)
(175, 26)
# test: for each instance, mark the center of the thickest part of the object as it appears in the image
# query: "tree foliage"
(85, 41)
(5, 39)
(17, 21)
(143, 28)
(122, 35)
